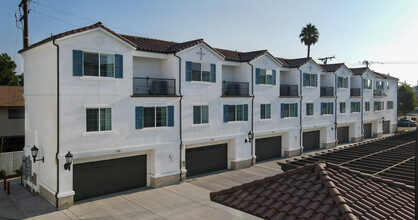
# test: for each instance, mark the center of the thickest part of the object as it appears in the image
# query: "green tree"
(309, 36)
(406, 99)
(7, 70)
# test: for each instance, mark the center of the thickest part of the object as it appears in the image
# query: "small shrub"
(18, 171)
(2, 174)
(413, 119)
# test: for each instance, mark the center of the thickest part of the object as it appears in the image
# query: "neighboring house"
(136, 111)
(12, 118)
(321, 191)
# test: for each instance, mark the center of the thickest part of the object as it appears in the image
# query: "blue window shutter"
(257, 76)
(322, 108)
(170, 116)
(245, 112)
(118, 66)
(213, 73)
(316, 80)
(296, 109)
(304, 79)
(274, 77)
(332, 108)
(77, 63)
(338, 82)
(188, 71)
(282, 110)
(138, 117)
(364, 83)
(225, 113)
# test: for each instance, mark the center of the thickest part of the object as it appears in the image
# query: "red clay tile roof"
(11, 96)
(359, 71)
(384, 76)
(75, 31)
(296, 63)
(332, 67)
(321, 191)
(237, 56)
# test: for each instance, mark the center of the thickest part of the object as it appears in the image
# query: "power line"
(57, 19)
(82, 17)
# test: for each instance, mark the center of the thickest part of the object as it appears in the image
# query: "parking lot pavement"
(188, 200)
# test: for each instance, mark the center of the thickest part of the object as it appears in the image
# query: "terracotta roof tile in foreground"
(11, 96)
(321, 191)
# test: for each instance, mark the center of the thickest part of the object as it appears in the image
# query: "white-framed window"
(342, 107)
(201, 114)
(310, 80)
(98, 64)
(390, 105)
(289, 110)
(155, 116)
(367, 84)
(355, 106)
(265, 111)
(309, 109)
(235, 112)
(327, 108)
(342, 82)
(377, 106)
(367, 106)
(266, 76)
(379, 85)
(16, 113)
(201, 72)
(98, 119)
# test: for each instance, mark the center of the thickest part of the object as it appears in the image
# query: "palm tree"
(309, 36)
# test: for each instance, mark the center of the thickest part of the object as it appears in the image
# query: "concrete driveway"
(188, 200)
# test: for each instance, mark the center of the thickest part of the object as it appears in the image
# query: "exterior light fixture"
(34, 152)
(250, 137)
(68, 161)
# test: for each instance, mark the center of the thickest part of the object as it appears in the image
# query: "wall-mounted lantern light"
(34, 152)
(250, 137)
(68, 161)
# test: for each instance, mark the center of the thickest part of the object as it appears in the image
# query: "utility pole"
(24, 5)
(325, 59)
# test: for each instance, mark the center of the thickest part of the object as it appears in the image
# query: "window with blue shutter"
(170, 116)
(315, 80)
(245, 112)
(304, 79)
(118, 66)
(282, 110)
(139, 117)
(296, 109)
(274, 77)
(77, 63)
(225, 113)
(213, 72)
(188, 71)
(257, 76)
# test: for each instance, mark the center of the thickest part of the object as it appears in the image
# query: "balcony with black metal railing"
(146, 86)
(377, 93)
(289, 90)
(355, 92)
(235, 89)
(327, 91)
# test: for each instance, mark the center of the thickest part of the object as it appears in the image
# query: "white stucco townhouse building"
(135, 111)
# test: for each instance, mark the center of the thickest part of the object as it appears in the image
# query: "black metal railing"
(355, 92)
(377, 92)
(153, 86)
(288, 90)
(327, 91)
(235, 88)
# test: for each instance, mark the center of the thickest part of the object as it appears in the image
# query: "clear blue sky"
(353, 30)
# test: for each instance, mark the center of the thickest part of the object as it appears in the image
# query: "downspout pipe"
(362, 106)
(58, 122)
(300, 112)
(335, 109)
(252, 113)
(180, 121)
